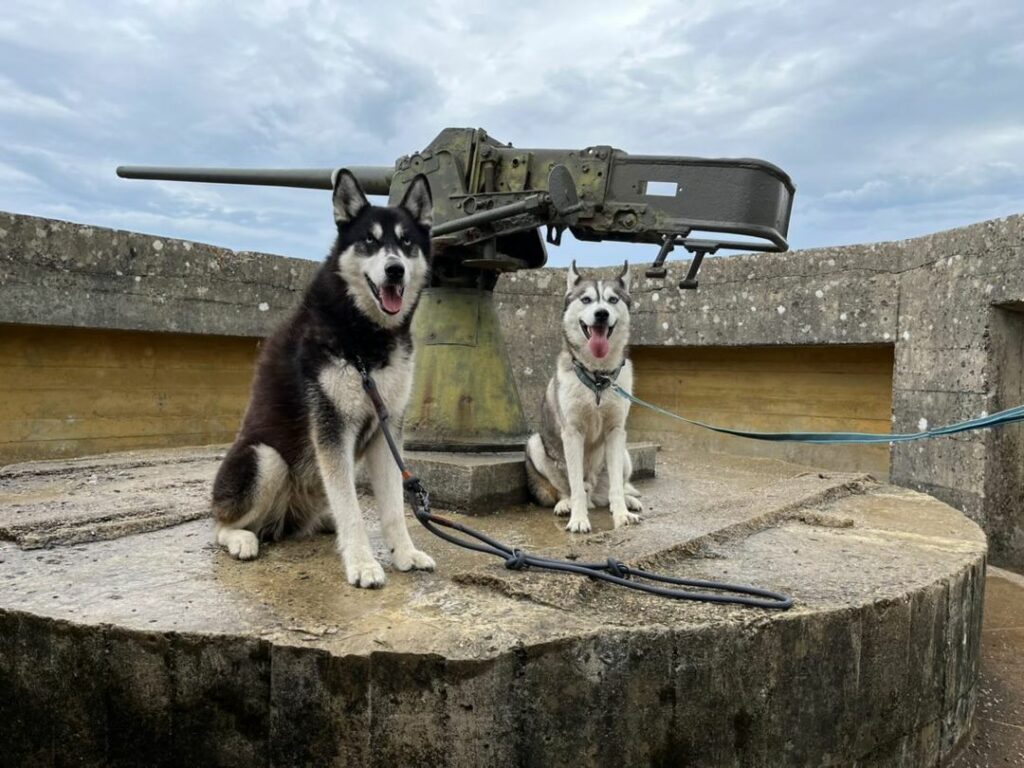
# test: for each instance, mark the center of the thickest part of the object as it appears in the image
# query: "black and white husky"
(292, 468)
(578, 460)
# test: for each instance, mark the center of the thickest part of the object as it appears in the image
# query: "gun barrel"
(374, 179)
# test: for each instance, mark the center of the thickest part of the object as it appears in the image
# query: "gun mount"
(490, 202)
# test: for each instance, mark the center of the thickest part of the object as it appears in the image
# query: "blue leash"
(1009, 416)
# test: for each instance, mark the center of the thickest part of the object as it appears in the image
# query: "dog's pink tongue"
(391, 299)
(598, 341)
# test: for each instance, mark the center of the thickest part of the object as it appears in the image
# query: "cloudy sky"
(893, 118)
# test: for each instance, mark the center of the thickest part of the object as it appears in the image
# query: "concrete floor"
(998, 738)
(475, 664)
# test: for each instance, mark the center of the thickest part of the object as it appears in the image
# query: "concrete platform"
(70, 501)
(157, 649)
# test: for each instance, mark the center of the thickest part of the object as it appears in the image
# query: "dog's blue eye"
(613, 299)
(586, 299)
(370, 240)
(406, 241)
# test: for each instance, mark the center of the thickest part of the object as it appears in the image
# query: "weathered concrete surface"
(998, 737)
(104, 497)
(59, 273)
(46, 503)
(950, 303)
(158, 649)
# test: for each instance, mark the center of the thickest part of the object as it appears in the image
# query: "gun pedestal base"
(480, 483)
(464, 397)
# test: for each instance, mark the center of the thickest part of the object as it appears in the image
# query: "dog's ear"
(624, 277)
(572, 277)
(349, 199)
(419, 203)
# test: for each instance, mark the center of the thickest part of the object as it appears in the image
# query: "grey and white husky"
(292, 468)
(578, 460)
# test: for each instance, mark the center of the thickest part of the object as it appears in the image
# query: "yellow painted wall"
(772, 389)
(74, 392)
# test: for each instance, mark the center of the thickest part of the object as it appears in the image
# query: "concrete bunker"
(476, 665)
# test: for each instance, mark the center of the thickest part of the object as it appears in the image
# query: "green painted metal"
(632, 198)
(374, 179)
(490, 201)
(464, 396)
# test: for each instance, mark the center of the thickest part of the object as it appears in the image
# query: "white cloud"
(892, 120)
(18, 102)
(12, 176)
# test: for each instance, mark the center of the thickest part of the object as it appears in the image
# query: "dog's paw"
(240, 543)
(625, 518)
(633, 504)
(578, 524)
(364, 572)
(563, 507)
(408, 559)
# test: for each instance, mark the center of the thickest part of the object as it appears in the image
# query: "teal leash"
(1009, 416)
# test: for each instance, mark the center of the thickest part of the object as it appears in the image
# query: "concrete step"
(479, 483)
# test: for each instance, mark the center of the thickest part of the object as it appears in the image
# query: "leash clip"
(417, 496)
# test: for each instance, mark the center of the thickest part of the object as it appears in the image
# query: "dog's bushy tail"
(235, 484)
(543, 492)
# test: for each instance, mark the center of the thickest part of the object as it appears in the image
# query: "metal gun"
(490, 202)
(491, 199)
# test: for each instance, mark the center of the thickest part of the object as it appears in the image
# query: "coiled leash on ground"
(612, 571)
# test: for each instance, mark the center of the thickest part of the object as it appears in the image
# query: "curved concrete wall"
(951, 303)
